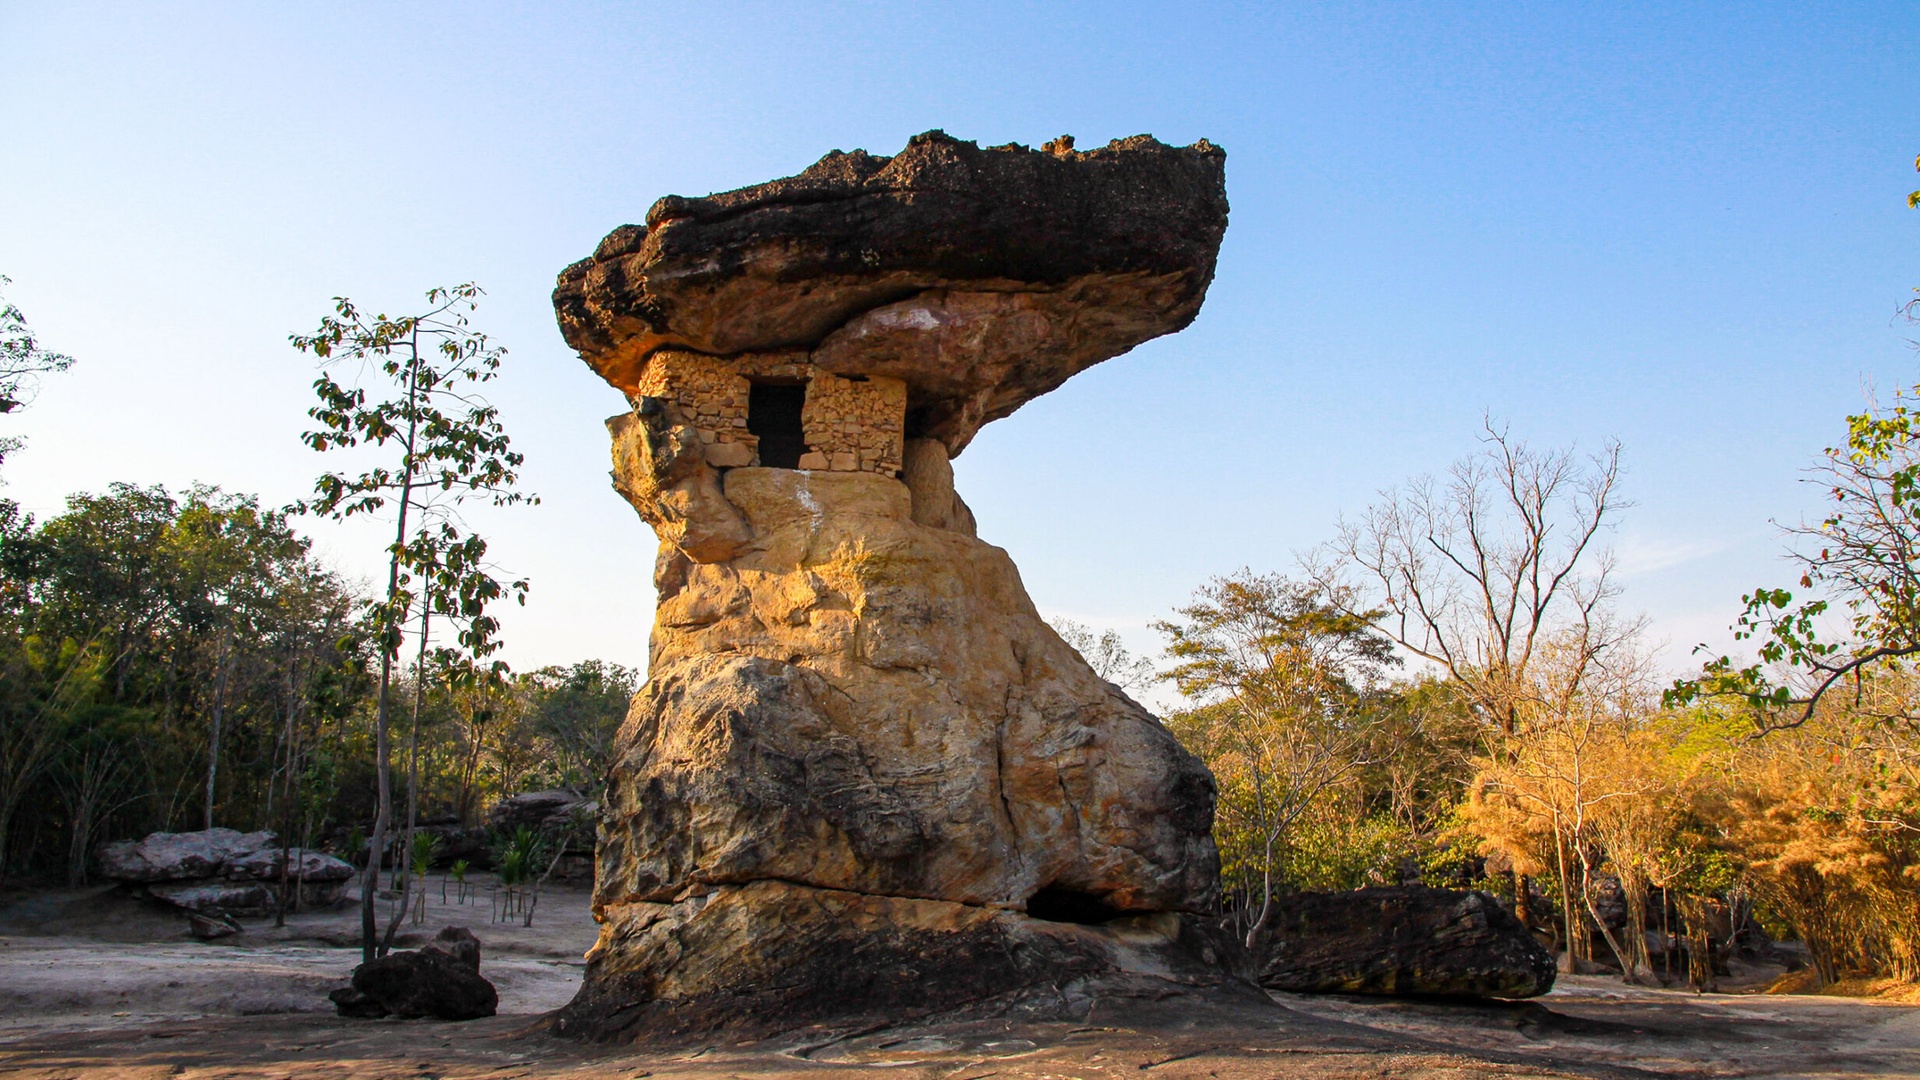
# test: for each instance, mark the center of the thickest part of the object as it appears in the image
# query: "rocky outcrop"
(221, 871)
(563, 818)
(557, 814)
(1403, 940)
(165, 856)
(864, 774)
(442, 979)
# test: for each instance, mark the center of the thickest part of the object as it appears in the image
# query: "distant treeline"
(174, 661)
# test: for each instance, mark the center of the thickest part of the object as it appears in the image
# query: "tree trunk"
(370, 881)
(219, 705)
(413, 777)
(383, 815)
(6, 830)
(1694, 912)
(1576, 941)
(1635, 888)
(290, 761)
(1614, 946)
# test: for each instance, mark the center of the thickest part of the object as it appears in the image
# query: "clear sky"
(1681, 226)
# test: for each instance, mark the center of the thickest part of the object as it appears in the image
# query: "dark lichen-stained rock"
(1403, 940)
(441, 979)
(983, 277)
(734, 957)
(864, 775)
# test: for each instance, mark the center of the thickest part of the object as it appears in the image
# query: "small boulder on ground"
(211, 927)
(442, 979)
(1405, 940)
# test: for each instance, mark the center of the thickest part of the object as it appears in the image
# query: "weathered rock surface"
(983, 277)
(1408, 939)
(864, 774)
(302, 863)
(221, 871)
(442, 979)
(867, 704)
(734, 957)
(211, 927)
(179, 856)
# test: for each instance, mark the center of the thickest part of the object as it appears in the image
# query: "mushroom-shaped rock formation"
(864, 775)
(981, 278)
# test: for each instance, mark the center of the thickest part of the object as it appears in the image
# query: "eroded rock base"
(759, 959)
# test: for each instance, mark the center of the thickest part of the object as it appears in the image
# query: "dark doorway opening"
(773, 414)
(1056, 904)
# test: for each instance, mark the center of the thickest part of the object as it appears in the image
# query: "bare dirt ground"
(94, 984)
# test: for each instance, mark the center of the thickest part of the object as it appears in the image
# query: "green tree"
(134, 625)
(1862, 565)
(449, 446)
(1280, 673)
(576, 711)
(22, 361)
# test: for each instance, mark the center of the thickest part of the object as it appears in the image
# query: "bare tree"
(1107, 655)
(1476, 571)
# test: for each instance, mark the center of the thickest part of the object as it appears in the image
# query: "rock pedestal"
(864, 775)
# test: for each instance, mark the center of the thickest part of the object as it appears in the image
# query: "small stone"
(211, 927)
(813, 459)
(728, 455)
(843, 461)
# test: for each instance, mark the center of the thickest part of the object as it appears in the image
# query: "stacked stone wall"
(850, 424)
(854, 425)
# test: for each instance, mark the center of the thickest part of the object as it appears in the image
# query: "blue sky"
(1683, 227)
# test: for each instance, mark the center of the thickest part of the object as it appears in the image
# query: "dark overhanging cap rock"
(1009, 269)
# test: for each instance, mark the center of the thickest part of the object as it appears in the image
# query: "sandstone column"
(864, 776)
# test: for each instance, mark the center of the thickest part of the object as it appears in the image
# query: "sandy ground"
(93, 984)
(96, 959)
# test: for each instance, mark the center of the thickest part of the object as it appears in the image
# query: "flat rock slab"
(179, 856)
(1406, 940)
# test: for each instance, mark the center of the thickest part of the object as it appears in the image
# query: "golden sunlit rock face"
(864, 774)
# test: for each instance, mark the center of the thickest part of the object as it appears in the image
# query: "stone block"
(728, 455)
